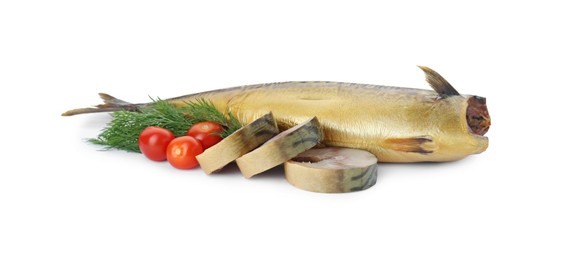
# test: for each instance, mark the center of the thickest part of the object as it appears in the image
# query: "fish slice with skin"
(332, 170)
(281, 148)
(395, 124)
(238, 143)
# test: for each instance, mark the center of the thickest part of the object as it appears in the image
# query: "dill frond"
(202, 110)
(123, 130)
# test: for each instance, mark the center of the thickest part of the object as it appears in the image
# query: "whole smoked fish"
(395, 124)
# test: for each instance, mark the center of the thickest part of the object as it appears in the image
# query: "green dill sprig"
(123, 130)
(202, 110)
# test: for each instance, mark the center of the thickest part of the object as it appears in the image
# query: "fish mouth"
(477, 116)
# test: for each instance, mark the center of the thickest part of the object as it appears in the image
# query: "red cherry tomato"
(153, 142)
(182, 151)
(207, 133)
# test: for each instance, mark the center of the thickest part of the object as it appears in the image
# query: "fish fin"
(419, 144)
(438, 83)
(110, 100)
(110, 104)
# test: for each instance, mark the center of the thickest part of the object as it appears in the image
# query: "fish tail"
(110, 104)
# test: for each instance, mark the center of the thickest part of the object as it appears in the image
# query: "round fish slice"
(332, 170)
(281, 148)
(237, 144)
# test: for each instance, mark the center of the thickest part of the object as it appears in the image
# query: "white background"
(61, 198)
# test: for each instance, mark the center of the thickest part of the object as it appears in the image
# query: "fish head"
(459, 124)
(474, 122)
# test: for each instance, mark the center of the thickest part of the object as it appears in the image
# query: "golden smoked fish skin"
(395, 124)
